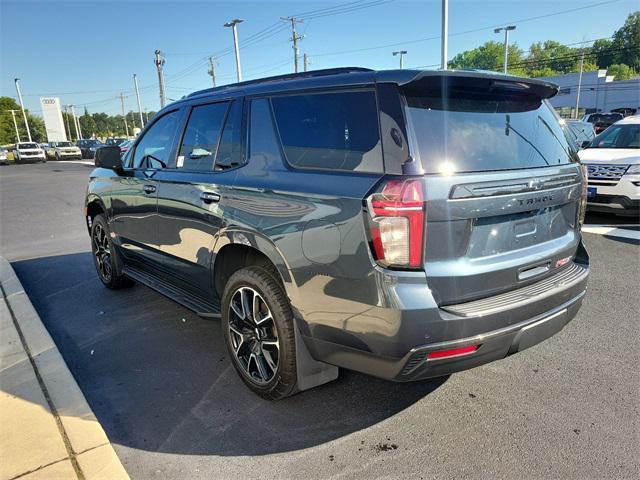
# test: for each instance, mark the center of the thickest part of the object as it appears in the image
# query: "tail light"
(583, 195)
(397, 221)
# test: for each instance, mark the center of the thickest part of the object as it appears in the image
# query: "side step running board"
(199, 306)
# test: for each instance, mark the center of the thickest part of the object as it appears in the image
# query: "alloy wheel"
(102, 252)
(253, 334)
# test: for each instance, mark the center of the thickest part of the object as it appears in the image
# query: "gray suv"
(405, 224)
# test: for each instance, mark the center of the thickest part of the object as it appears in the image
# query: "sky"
(86, 52)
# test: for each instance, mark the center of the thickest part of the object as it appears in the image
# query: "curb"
(90, 455)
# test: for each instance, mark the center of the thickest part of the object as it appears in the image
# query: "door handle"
(209, 197)
(149, 188)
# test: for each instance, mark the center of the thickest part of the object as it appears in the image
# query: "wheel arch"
(238, 248)
(94, 206)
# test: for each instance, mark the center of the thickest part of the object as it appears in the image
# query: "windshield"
(28, 145)
(470, 132)
(63, 144)
(618, 136)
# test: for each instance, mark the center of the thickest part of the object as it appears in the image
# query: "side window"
(154, 148)
(230, 149)
(335, 131)
(263, 140)
(200, 140)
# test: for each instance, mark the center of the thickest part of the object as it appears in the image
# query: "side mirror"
(109, 157)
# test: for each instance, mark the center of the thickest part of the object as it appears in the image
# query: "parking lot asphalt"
(159, 380)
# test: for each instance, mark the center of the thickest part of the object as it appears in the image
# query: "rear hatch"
(501, 183)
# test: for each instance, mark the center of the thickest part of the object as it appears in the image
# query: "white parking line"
(611, 231)
(82, 162)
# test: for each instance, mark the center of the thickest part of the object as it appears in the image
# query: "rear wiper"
(509, 127)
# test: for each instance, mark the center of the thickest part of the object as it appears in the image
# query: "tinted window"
(263, 145)
(230, 148)
(200, 140)
(155, 146)
(336, 131)
(469, 132)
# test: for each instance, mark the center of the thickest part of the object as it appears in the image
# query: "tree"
(602, 53)
(620, 71)
(626, 42)
(8, 131)
(552, 55)
(489, 56)
(87, 124)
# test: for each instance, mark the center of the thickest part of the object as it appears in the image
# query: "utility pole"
(76, 122)
(402, 53)
(212, 69)
(579, 85)
(146, 115)
(66, 118)
(159, 61)
(124, 115)
(294, 38)
(24, 113)
(15, 124)
(444, 54)
(306, 62)
(135, 83)
(506, 30)
(233, 23)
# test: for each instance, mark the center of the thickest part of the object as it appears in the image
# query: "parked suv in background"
(88, 147)
(26, 152)
(602, 121)
(406, 224)
(613, 161)
(63, 151)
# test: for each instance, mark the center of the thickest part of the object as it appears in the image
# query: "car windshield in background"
(64, 144)
(28, 145)
(618, 136)
(465, 134)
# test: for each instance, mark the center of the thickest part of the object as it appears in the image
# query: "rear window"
(330, 131)
(607, 118)
(482, 132)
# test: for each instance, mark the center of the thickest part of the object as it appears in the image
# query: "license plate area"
(591, 192)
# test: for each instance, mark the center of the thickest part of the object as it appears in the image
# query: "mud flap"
(311, 372)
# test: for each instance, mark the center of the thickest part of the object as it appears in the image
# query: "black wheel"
(257, 324)
(105, 257)
(57, 156)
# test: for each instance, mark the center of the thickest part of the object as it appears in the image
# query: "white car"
(28, 152)
(63, 151)
(613, 162)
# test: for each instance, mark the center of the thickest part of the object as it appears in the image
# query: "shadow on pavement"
(158, 377)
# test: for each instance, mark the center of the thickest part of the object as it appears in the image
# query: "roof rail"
(286, 76)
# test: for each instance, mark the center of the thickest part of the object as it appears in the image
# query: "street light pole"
(24, 113)
(506, 29)
(76, 123)
(233, 24)
(579, 85)
(135, 83)
(15, 124)
(445, 35)
(402, 53)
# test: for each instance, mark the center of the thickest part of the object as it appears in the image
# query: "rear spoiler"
(468, 79)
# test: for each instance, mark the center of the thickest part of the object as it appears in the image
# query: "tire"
(268, 369)
(57, 156)
(105, 257)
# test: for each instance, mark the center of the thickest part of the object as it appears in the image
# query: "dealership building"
(598, 93)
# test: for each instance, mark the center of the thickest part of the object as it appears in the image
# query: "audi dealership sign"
(53, 119)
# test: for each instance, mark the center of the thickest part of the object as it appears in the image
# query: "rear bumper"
(500, 326)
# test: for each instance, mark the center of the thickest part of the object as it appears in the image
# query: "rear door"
(193, 193)
(501, 183)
